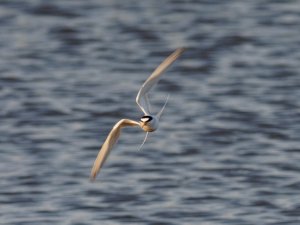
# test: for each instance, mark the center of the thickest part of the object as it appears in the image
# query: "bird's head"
(149, 123)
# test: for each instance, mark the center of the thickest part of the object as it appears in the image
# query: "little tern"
(149, 122)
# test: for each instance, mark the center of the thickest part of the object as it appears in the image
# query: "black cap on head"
(146, 118)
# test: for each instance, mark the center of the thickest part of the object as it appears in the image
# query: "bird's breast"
(148, 128)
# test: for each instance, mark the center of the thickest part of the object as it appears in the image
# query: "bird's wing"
(108, 144)
(141, 98)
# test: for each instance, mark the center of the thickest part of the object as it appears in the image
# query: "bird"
(148, 123)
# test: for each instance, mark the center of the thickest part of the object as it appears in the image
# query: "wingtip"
(93, 175)
(181, 49)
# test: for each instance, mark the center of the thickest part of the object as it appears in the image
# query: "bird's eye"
(146, 118)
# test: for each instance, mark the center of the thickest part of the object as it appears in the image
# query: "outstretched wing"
(108, 144)
(141, 98)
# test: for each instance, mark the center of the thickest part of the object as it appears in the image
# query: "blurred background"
(227, 151)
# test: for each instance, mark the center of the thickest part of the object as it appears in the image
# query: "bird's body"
(149, 122)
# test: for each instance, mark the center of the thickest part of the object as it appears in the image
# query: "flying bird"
(149, 122)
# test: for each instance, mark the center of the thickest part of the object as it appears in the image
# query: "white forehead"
(145, 119)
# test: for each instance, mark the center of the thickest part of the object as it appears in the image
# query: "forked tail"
(144, 141)
(162, 109)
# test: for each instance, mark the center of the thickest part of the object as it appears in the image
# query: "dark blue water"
(228, 147)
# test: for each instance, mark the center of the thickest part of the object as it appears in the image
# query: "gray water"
(227, 150)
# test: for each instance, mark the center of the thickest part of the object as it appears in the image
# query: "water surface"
(227, 151)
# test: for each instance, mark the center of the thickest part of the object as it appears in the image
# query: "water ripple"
(227, 151)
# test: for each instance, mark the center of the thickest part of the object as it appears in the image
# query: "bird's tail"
(162, 109)
(144, 141)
